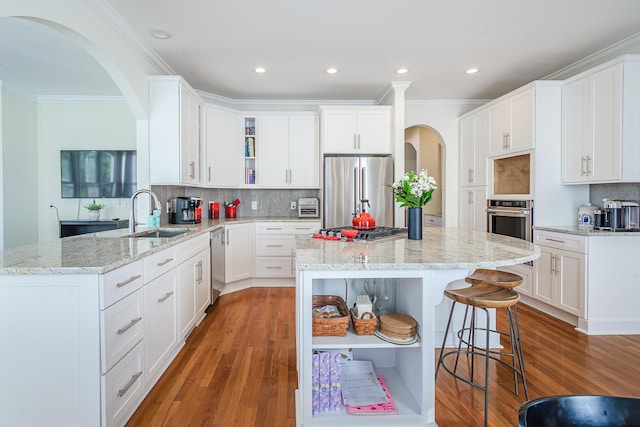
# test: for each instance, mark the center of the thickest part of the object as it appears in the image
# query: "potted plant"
(414, 191)
(94, 210)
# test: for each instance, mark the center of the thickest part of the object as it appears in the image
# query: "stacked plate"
(397, 328)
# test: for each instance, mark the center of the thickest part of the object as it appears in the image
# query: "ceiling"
(216, 45)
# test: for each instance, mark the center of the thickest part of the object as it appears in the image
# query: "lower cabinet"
(275, 246)
(233, 252)
(561, 271)
(161, 335)
(527, 273)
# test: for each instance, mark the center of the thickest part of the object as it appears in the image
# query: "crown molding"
(72, 99)
(18, 92)
(111, 17)
(628, 45)
(435, 102)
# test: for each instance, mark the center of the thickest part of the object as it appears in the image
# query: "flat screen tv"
(98, 173)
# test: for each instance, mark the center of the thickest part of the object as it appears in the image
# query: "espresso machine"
(617, 215)
(185, 210)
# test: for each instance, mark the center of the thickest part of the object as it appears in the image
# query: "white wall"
(19, 170)
(91, 124)
(442, 116)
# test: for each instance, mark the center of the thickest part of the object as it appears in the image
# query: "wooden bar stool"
(483, 296)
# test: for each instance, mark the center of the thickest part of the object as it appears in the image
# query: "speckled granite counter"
(98, 253)
(441, 248)
(583, 231)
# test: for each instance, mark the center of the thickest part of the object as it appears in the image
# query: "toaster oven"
(308, 207)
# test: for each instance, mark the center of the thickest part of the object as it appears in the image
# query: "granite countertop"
(584, 231)
(440, 248)
(98, 253)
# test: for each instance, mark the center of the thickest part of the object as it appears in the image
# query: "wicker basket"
(364, 326)
(332, 326)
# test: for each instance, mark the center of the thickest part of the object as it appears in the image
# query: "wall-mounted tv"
(98, 173)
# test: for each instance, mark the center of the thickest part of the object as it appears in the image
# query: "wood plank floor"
(238, 369)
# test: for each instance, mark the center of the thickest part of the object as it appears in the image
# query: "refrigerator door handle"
(356, 192)
(363, 185)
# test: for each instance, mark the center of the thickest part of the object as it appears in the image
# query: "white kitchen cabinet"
(161, 332)
(192, 287)
(224, 155)
(561, 271)
(356, 130)
(238, 252)
(511, 121)
(474, 140)
(203, 283)
(472, 210)
(599, 130)
(527, 273)
(174, 131)
(288, 153)
(275, 244)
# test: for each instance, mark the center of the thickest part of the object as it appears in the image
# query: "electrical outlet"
(293, 206)
(51, 205)
(254, 205)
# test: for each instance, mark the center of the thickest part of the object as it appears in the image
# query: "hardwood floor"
(238, 369)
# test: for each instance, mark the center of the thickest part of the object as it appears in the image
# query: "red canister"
(230, 211)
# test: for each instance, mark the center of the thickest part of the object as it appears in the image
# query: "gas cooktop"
(373, 234)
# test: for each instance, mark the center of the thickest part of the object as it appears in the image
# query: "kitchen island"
(418, 271)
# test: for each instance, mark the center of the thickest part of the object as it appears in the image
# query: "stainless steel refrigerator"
(348, 180)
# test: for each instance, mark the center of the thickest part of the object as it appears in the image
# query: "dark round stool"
(483, 295)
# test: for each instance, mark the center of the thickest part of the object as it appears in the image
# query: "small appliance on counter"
(617, 216)
(185, 210)
(308, 207)
(586, 216)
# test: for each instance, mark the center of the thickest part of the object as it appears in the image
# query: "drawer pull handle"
(129, 326)
(165, 297)
(274, 267)
(555, 240)
(166, 261)
(128, 385)
(274, 246)
(129, 280)
(274, 228)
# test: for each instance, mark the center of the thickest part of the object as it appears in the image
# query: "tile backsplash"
(271, 203)
(629, 192)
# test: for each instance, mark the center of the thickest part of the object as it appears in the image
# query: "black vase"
(415, 224)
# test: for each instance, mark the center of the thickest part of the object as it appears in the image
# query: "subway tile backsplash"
(271, 203)
(597, 192)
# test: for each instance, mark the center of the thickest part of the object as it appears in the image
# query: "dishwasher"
(217, 263)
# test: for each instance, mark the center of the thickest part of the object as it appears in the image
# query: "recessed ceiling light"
(331, 70)
(402, 71)
(472, 70)
(260, 70)
(160, 34)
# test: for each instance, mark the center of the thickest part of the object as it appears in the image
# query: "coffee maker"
(184, 210)
(617, 216)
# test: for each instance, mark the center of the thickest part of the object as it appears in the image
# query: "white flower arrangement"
(414, 191)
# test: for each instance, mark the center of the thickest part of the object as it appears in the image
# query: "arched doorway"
(424, 149)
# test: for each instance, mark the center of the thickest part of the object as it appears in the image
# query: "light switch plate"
(254, 205)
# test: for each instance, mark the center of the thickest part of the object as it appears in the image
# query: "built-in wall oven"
(511, 218)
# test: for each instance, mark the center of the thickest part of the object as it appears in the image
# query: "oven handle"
(510, 212)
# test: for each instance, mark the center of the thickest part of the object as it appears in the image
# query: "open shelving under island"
(418, 271)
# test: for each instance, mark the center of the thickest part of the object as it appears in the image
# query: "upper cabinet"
(288, 153)
(356, 130)
(511, 123)
(223, 166)
(175, 117)
(600, 130)
(474, 141)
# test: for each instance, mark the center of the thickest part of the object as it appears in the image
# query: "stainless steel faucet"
(132, 211)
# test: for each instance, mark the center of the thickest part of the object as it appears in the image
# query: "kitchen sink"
(154, 234)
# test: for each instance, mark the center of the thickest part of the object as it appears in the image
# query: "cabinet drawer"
(569, 242)
(274, 267)
(119, 283)
(123, 387)
(122, 327)
(275, 245)
(300, 227)
(159, 263)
